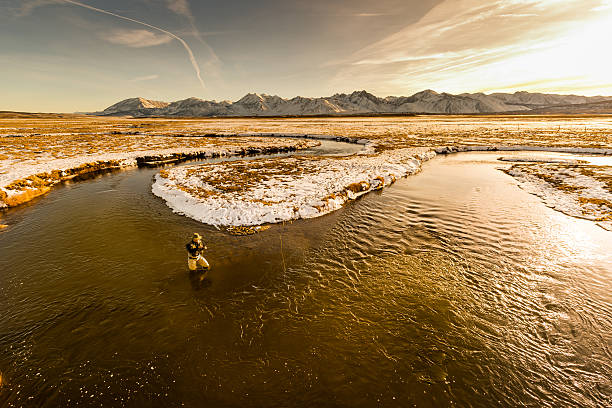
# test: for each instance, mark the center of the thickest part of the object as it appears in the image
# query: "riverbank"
(30, 166)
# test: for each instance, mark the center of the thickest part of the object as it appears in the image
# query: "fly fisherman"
(195, 248)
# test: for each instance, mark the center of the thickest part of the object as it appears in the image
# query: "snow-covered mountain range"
(358, 102)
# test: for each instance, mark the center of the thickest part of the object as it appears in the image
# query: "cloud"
(27, 6)
(369, 14)
(519, 15)
(605, 5)
(179, 7)
(136, 38)
(145, 78)
(467, 45)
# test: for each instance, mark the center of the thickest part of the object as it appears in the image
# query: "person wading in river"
(195, 249)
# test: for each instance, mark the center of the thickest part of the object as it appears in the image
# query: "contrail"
(182, 8)
(199, 37)
(196, 67)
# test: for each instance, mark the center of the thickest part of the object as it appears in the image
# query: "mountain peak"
(251, 98)
(132, 104)
(426, 92)
(193, 99)
(363, 93)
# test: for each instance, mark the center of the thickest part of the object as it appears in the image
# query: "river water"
(450, 288)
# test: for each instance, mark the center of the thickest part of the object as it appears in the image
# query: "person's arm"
(191, 249)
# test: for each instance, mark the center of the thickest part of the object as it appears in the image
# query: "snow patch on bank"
(13, 170)
(582, 191)
(536, 159)
(523, 148)
(281, 189)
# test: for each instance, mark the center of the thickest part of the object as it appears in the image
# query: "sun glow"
(577, 59)
(557, 46)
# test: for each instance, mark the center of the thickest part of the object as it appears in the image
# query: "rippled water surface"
(450, 288)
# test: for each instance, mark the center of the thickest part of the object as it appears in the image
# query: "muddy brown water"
(451, 288)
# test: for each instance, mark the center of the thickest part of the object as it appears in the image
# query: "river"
(450, 288)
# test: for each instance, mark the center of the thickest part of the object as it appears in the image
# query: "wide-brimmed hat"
(196, 236)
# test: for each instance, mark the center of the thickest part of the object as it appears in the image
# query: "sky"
(69, 55)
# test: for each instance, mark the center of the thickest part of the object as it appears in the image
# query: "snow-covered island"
(280, 189)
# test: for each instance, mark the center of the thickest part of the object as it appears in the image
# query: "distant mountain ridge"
(360, 102)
